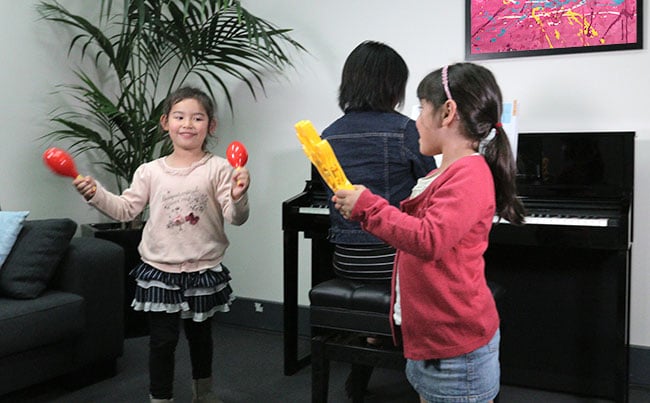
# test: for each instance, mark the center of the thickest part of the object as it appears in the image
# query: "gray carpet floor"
(248, 368)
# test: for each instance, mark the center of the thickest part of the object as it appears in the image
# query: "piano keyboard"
(320, 210)
(555, 220)
(535, 219)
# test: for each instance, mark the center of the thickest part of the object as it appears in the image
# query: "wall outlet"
(259, 307)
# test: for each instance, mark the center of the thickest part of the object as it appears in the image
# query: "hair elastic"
(498, 125)
(445, 82)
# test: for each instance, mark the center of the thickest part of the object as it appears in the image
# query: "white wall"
(581, 92)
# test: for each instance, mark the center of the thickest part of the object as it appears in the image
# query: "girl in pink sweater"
(442, 305)
(190, 194)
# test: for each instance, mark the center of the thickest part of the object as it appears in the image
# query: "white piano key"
(571, 221)
(314, 210)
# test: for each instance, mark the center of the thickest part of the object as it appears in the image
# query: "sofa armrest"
(94, 269)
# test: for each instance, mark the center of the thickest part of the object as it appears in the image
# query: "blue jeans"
(470, 378)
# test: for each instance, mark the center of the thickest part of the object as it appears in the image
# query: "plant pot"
(135, 323)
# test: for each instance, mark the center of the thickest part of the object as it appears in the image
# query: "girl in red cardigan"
(441, 302)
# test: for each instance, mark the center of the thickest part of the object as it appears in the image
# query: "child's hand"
(345, 199)
(240, 182)
(85, 185)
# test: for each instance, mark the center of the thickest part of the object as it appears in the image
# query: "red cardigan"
(441, 235)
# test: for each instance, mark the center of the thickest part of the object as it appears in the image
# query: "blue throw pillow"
(11, 222)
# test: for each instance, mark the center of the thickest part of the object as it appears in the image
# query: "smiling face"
(188, 125)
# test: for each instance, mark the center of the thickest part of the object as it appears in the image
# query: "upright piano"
(566, 271)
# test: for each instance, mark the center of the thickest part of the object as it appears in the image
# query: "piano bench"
(341, 312)
(351, 306)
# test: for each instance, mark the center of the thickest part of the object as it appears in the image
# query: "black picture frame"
(500, 30)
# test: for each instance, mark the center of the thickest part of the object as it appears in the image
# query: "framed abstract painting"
(511, 28)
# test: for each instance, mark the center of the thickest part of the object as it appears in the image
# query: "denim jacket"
(380, 151)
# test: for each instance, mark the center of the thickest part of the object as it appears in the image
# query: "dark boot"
(202, 391)
(356, 385)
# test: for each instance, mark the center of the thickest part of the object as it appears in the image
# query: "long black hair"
(479, 105)
(373, 79)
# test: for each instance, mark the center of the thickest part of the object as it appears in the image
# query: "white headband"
(445, 82)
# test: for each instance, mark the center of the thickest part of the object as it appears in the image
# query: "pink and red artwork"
(502, 28)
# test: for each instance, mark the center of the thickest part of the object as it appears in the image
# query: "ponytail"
(499, 157)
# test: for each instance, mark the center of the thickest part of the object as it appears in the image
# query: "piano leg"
(291, 361)
(321, 256)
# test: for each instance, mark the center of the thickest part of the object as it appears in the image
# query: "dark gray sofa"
(71, 325)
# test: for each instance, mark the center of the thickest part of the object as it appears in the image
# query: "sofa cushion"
(38, 250)
(11, 222)
(27, 324)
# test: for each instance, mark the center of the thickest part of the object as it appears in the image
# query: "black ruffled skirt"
(196, 295)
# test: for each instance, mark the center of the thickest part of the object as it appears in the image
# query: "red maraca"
(237, 154)
(60, 162)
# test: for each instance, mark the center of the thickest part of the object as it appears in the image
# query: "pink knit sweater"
(187, 210)
(441, 235)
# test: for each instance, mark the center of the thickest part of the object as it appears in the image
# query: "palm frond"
(143, 50)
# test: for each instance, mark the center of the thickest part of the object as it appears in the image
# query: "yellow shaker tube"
(320, 153)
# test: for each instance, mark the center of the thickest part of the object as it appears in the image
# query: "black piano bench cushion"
(37, 252)
(354, 306)
(351, 306)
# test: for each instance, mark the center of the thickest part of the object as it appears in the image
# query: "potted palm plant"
(133, 53)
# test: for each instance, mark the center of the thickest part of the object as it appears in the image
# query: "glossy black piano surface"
(565, 314)
(596, 166)
(577, 189)
(307, 211)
